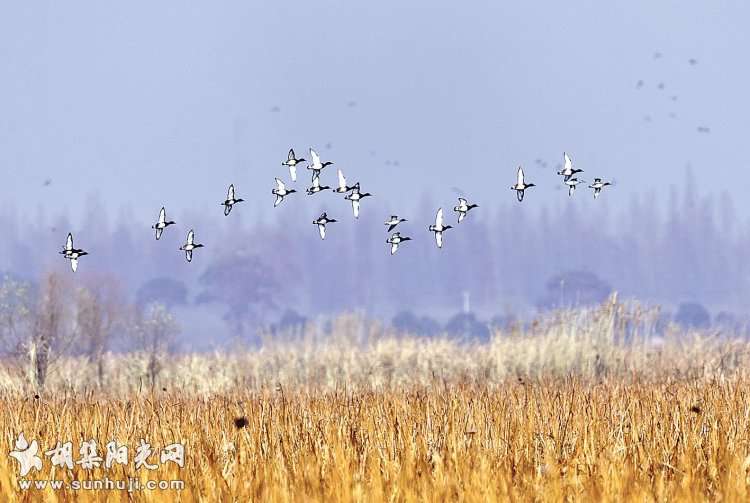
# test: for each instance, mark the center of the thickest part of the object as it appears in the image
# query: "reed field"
(585, 405)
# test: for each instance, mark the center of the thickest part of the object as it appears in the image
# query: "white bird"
(190, 245)
(280, 192)
(292, 162)
(395, 240)
(321, 222)
(316, 186)
(568, 169)
(463, 208)
(520, 185)
(571, 183)
(598, 185)
(162, 223)
(230, 201)
(355, 197)
(343, 188)
(393, 222)
(439, 228)
(316, 165)
(71, 253)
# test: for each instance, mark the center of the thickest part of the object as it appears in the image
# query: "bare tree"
(154, 331)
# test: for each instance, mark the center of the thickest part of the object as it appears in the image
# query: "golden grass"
(582, 406)
(546, 440)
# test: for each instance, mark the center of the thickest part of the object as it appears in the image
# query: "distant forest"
(667, 246)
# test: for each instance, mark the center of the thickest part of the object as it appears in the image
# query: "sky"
(145, 104)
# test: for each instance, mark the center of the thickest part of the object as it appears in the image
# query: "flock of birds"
(353, 194)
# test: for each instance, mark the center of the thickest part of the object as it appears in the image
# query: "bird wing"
(189, 255)
(322, 230)
(291, 155)
(69, 242)
(391, 227)
(162, 215)
(394, 247)
(342, 181)
(568, 163)
(316, 181)
(159, 230)
(520, 177)
(278, 200)
(227, 209)
(279, 185)
(293, 173)
(315, 159)
(355, 208)
(74, 264)
(462, 202)
(191, 237)
(461, 215)
(439, 219)
(230, 193)
(439, 239)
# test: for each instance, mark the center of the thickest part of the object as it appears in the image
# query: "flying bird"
(571, 183)
(230, 201)
(162, 223)
(316, 187)
(316, 165)
(71, 253)
(321, 222)
(292, 162)
(355, 197)
(439, 227)
(598, 185)
(395, 240)
(568, 169)
(190, 245)
(520, 186)
(343, 188)
(393, 222)
(463, 208)
(280, 192)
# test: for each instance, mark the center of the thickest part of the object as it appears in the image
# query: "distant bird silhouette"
(190, 245)
(355, 197)
(316, 186)
(639, 84)
(393, 222)
(693, 61)
(598, 185)
(463, 208)
(71, 253)
(520, 186)
(292, 162)
(395, 240)
(280, 192)
(275, 109)
(439, 227)
(230, 201)
(47, 182)
(660, 86)
(321, 222)
(703, 129)
(162, 223)
(316, 165)
(351, 103)
(657, 55)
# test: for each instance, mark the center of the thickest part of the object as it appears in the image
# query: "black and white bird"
(280, 192)
(393, 222)
(321, 222)
(355, 197)
(463, 208)
(572, 183)
(230, 201)
(292, 162)
(439, 227)
(162, 223)
(190, 245)
(316, 186)
(568, 169)
(71, 253)
(343, 188)
(316, 166)
(520, 185)
(598, 185)
(395, 240)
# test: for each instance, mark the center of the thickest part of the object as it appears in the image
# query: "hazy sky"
(155, 103)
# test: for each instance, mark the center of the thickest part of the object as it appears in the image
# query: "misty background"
(110, 112)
